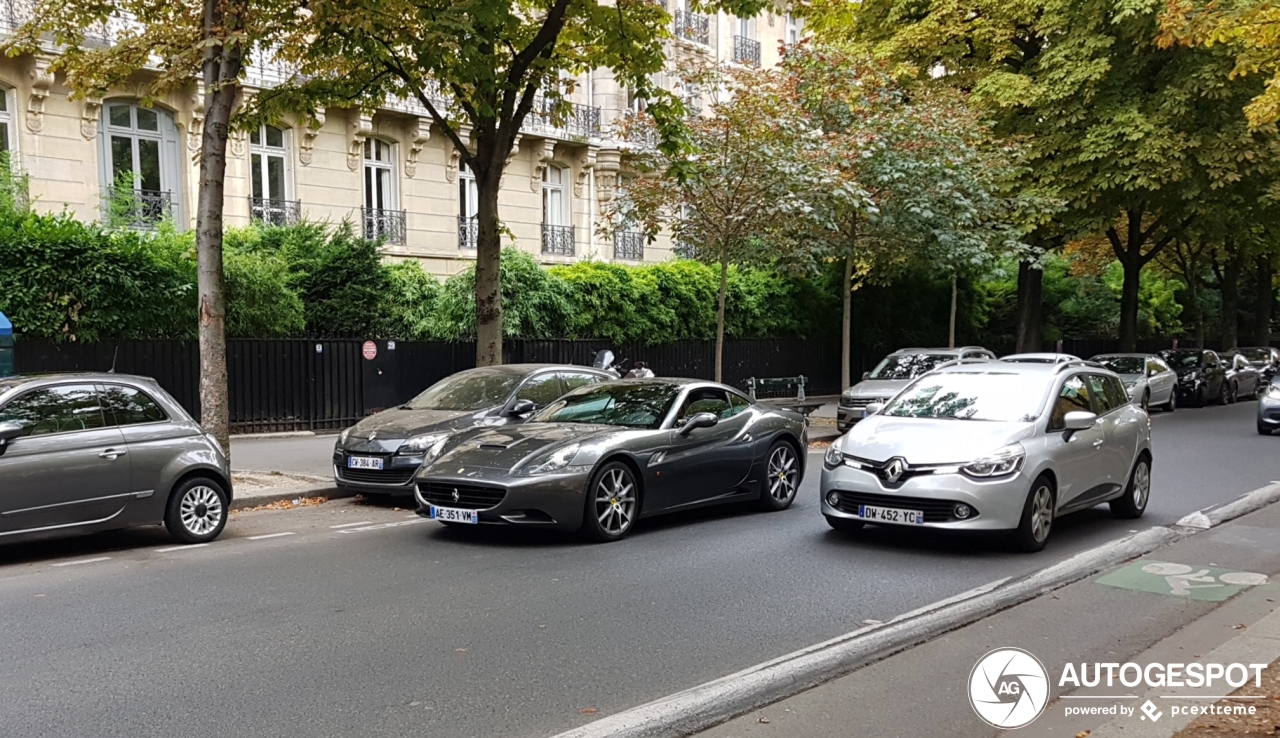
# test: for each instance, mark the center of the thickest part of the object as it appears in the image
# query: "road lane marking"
(380, 526)
(181, 548)
(350, 525)
(84, 561)
(271, 535)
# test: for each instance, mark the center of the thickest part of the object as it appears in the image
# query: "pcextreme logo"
(1008, 688)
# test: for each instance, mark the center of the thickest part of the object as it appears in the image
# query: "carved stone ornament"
(586, 162)
(515, 149)
(454, 160)
(546, 155)
(89, 113)
(419, 134)
(359, 127)
(310, 127)
(608, 163)
(195, 131)
(41, 81)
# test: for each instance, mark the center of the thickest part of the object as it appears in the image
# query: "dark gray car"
(380, 454)
(91, 452)
(602, 457)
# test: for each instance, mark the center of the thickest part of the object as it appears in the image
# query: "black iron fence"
(316, 384)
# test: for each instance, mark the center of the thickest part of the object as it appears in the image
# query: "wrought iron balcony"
(693, 27)
(384, 225)
(629, 245)
(275, 212)
(575, 121)
(137, 208)
(468, 232)
(746, 51)
(557, 240)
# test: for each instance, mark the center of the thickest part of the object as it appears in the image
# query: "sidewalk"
(1204, 598)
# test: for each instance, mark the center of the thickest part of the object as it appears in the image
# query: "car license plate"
(890, 515)
(454, 515)
(364, 462)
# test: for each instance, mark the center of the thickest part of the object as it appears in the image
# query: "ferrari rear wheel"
(613, 503)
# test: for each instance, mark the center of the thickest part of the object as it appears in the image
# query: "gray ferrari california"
(606, 455)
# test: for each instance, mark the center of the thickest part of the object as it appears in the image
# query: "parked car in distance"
(893, 373)
(604, 456)
(81, 453)
(1265, 359)
(380, 454)
(1148, 379)
(1269, 408)
(1244, 378)
(1202, 376)
(1039, 358)
(1000, 446)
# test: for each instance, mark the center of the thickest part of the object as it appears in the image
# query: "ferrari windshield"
(467, 391)
(1006, 397)
(908, 366)
(634, 405)
(1124, 364)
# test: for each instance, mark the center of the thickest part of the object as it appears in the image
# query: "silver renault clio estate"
(993, 446)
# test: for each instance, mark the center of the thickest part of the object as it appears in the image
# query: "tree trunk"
(951, 331)
(1264, 301)
(488, 270)
(1129, 303)
(846, 326)
(1194, 312)
(1230, 288)
(724, 290)
(221, 70)
(1030, 301)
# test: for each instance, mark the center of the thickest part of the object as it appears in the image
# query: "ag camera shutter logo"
(1008, 688)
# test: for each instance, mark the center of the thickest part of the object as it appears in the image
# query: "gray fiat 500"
(993, 447)
(92, 452)
(380, 454)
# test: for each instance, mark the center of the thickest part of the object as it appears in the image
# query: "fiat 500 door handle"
(112, 454)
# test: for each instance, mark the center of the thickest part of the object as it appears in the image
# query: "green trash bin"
(6, 347)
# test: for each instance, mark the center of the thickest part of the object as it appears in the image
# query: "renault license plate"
(364, 462)
(890, 515)
(454, 515)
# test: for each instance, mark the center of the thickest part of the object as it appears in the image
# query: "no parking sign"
(369, 350)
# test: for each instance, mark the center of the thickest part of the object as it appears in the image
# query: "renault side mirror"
(1077, 421)
(866, 376)
(9, 430)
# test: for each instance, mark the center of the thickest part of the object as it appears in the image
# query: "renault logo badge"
(894, 469)
(455, 494)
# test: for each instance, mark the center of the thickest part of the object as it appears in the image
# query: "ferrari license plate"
(890, 515)
(364, 462)
(454, 515)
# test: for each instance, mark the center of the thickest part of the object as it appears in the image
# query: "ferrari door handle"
(1097, 443)
(112, 454)
(746, 438)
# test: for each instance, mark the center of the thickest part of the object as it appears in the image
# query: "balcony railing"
(275, 212)
(693, 27)
(557, 240)
(629, 245)
(468, 232)
(575, 121)
(384, 225)
(746, 51)
(137, 208)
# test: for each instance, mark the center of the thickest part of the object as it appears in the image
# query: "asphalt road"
(393, 626)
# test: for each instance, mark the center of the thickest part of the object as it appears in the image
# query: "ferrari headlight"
(1004, 462)
(557, 461)
(428, 445)
(834, 457)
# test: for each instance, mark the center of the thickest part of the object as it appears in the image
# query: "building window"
(793, 30)
(746, 49)
(691, 26)
(628, 239)
(140, 165)
(6, 122)
(468, 206)
(269, 179)
(691, 95)
(382, 220)
(557, 234)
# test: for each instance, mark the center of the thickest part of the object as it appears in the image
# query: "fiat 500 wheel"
(197, 511)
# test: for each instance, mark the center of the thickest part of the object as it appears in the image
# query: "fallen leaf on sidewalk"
(460, 650)
(588, 711)
(764, 720)
(285, 504)
(1083, 734)
(1239, 626)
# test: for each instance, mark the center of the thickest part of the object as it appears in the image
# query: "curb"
(328, 492)
(706, 705)
(281, 434)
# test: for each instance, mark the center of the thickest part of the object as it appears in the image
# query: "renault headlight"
(427, 445)
(557, 461)
(1273, 392)
(1003, 462)
(834, 457)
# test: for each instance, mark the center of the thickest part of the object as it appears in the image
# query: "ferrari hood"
(508, 447)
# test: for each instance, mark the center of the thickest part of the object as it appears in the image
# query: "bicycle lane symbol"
(1179, 580)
